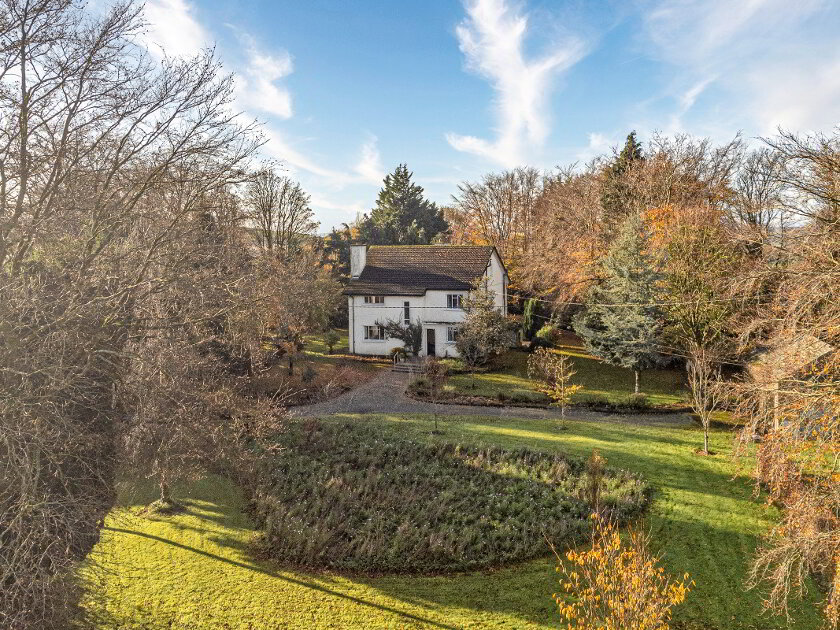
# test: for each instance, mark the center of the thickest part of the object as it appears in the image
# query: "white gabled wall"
(497, 282)
(430, 308)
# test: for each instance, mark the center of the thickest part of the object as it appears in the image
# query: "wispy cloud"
(173, 30)
(369, 166)
(599, 144)
(492, 38)
(257, 81)
(756, 53)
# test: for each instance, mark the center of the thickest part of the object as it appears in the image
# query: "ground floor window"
(375, 333)
(452, 334)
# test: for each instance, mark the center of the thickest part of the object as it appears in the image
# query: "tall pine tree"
(402, 216)
(617, 194)
(621, 323)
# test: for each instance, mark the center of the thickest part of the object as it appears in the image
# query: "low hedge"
(345, 496)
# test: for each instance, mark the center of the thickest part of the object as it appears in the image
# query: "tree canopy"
(402, 215)
(621, 323)
(616, 195)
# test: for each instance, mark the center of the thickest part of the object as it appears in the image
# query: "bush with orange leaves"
(615, 586)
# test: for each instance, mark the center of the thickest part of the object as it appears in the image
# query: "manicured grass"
(509, 376)
(192, 570)
(376, 502)
(317, 350)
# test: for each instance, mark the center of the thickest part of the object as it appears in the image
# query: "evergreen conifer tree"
(616, 195)
(621, 323)
(402, 216)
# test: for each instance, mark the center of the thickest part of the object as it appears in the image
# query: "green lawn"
(193, 571)
(612, 384)
(317, 350)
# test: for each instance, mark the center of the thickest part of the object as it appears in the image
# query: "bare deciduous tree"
(105, 155)
(500, 211)
(279, 209)
(707, 391)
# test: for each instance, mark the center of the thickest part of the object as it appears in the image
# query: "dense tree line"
(134, 306)
(683, 251)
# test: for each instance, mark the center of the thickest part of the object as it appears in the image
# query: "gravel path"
(385, 393)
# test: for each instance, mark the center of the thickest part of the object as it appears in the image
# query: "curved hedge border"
(345, 496)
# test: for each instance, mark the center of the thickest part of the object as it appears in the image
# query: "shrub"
(397, 353)
(485, 332)
(547, 337)
(331, 338)
(308, 375)
(637, 401)
(352, 497)
(453, 366)
(617, 585)
(593, 400)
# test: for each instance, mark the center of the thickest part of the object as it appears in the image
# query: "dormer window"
(374, 299)
(454, 300)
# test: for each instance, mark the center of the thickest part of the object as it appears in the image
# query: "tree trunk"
(706, 439)
(638, 374)
(291, 366)
(165, 495)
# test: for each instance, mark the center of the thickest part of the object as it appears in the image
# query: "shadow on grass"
(278, 576)
(704, 518)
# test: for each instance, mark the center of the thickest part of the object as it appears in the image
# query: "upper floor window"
(374, 299)
(374, 333)
(454, 300)
(406, 313)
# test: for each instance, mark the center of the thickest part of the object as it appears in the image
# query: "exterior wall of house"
(497, 282)
(430, 308)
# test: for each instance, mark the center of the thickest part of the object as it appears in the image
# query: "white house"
(425, 283)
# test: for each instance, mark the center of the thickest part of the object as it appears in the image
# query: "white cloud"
(277, 147)
(492, 38)
(257, 82)
(775, 61)
(173, 31)
(369, 166)
(599, 144)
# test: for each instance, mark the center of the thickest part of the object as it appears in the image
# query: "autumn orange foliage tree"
(616, 586)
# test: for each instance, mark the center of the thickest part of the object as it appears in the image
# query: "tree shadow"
(286, 578)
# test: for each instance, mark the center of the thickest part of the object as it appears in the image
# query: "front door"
(430, 342)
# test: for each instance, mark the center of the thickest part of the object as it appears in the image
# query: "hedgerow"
(345, 496)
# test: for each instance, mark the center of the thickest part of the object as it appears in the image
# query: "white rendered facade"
(437, 310)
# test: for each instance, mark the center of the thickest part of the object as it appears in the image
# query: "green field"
(193, 570)
(509, 376)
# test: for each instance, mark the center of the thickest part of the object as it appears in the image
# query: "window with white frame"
(454, 300)
(452, 334)
(406, 313)
(374, 299)
(375, 333)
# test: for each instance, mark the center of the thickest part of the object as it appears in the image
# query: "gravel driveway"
(385, 393)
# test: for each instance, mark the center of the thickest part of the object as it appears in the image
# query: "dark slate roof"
(414, 269)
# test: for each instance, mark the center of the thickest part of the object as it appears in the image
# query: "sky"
(349, 90)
